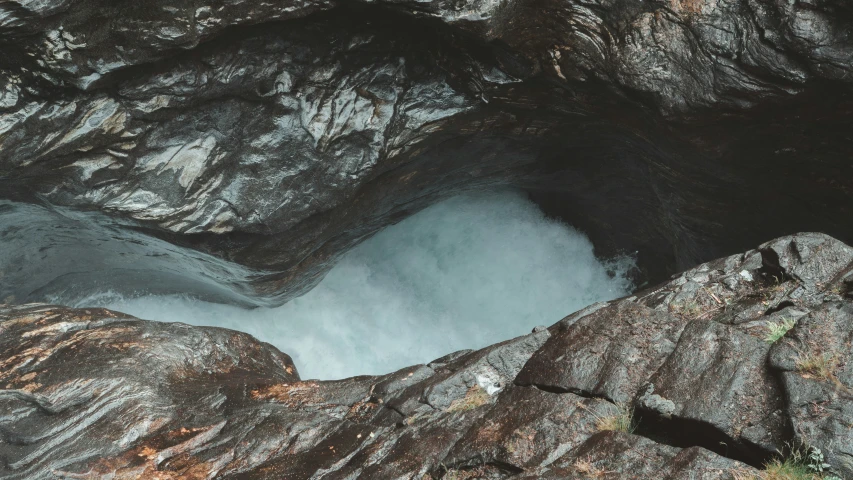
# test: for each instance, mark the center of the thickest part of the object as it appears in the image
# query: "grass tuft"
(621, 421)
(689, 309)
(587, 469)
(475, 397)
(797, 466)
(821, 366)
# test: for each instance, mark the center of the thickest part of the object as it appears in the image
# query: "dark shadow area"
(682, 433)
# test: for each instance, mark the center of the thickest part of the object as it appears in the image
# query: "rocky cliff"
(707, 376)
(266, 138)
(233, 149)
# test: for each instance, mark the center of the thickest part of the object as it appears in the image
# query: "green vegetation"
(797, 466)
(778, 330)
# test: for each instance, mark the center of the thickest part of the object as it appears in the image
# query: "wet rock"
(815, 360)
(215, 145)
(95, 393)
(78, 41)
(255, 136)
(221, 403)
(608, 353)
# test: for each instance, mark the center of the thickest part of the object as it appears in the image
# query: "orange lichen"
(292, 394)
(361, 410)
(690, 7)
(147, 452)
(27, 377)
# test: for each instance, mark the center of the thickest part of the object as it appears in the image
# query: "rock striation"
(233, 150)
(679, 381)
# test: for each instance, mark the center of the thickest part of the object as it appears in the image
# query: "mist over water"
(465, 273)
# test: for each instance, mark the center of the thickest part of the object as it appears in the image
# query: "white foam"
(465, 273)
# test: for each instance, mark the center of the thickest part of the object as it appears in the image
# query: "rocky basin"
(680, 381)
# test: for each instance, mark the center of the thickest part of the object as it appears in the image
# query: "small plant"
(475, 397)
(821, 366)
(687, 309)
(778, 330)
(454, 474)
(792, 468)
(797, 466)
(587, 469)
(621, 421)
(815, 461)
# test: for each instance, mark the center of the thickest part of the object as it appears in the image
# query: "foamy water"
(465, 273)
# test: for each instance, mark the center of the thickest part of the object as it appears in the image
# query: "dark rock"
(814, 260)
(718, 376)
(622, 455)
(79, 41)
(483, 372)
(608, 353)
(246, 131)
(529, 428)
(238, 137)
(81, 388)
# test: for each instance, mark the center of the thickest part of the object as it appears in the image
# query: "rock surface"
(275, 135)
(97, 394)
(233, 150)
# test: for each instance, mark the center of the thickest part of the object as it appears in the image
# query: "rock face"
(233, 149)
(96, 394)
(272, 136)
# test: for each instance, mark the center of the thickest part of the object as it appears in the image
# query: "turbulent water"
(465, 273)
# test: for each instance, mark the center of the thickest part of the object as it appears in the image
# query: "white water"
(465, 273)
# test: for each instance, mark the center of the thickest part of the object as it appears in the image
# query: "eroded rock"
(96, 391)
(529, 428)
(99, 394)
